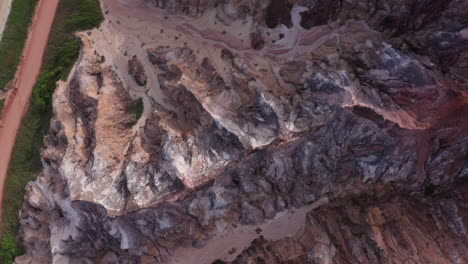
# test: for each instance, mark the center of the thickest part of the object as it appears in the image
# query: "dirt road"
(25, 78)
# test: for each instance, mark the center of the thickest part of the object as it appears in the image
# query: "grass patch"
(7, 255)
(136, 108)
(2, 105)
(14, 37)
(24, 166)
(61, 53)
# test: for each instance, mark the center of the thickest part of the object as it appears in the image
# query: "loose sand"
(26, 75)
(5, 6)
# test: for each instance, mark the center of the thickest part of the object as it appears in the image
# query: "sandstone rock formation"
(273, 132)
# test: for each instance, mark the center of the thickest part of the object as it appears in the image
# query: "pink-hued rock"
(334, 133)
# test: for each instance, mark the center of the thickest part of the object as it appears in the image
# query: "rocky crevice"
(352, 130)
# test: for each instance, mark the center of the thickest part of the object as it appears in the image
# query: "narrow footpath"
(24, 81)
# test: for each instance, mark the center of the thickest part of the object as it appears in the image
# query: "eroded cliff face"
(272, 132)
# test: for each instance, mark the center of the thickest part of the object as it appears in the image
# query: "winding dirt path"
(25, 78)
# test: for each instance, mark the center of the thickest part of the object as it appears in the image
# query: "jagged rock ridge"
(267, 136)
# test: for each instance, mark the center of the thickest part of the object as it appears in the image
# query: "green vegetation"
(87, 15)
(136, 108)
(63, 48)
(64, 60)
(24, 166)
(218, 261)
(61, 53)
(14, 37)
(9, 249)
(2, 104)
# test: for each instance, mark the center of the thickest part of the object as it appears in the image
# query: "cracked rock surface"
(272, 132)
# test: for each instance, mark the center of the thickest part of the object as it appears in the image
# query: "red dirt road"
(25, 79)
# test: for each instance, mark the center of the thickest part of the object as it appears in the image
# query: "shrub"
(42, 94)
(64, 60)
(87, 16)
(8, 250)
(2, 104)
(136, 107)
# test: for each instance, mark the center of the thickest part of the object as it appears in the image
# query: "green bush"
(64, 60)
(138, 108)
(9, 249)
(67, 56)
(2, 104)
(88, 15)
(42, 94)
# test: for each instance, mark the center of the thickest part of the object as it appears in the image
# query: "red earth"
(25, 78)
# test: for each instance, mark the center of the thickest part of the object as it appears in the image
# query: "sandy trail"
(5, 6)
(25, 79)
